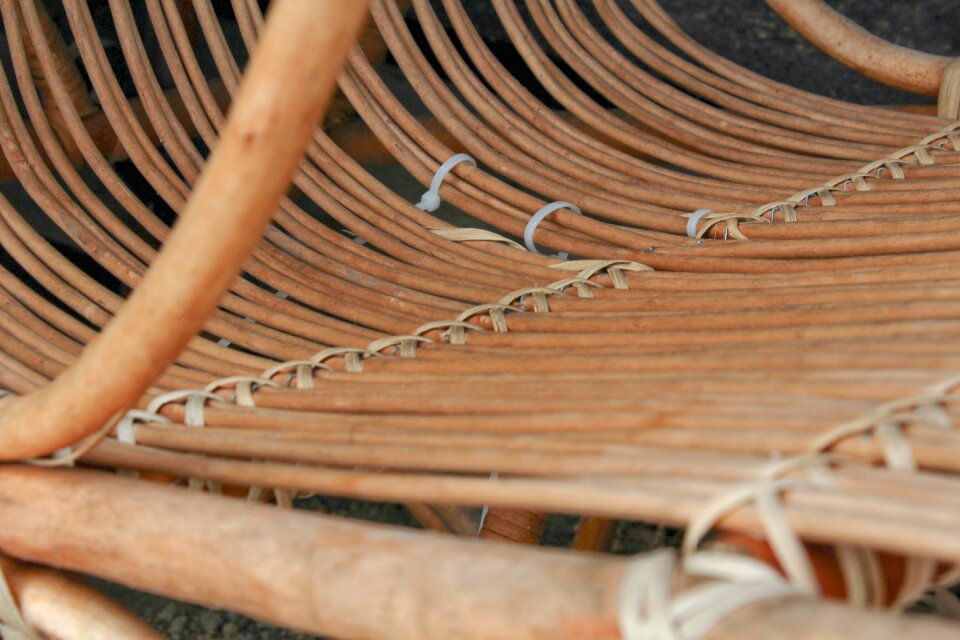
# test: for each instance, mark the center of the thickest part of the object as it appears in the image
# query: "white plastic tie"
(694, 220)
(539, 216)
(127, 435)
(763, 492)
(430, 200)
(125, 432)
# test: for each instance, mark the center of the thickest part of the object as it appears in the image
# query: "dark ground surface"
(745, 31)
(749, 33)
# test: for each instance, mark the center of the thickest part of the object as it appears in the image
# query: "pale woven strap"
(302, 372)
(914, 154)
(586, 269)
(887, 421)
(886, 425)
(405, 345)
(731, 222)
(194, 402)
(126, 431)
(352, 357)
(897, 451)
(475, 235)
(649, 610)
(865, 583)
(243, 387)
(584, 287)
(496, 311)
(537, 294)
(763, 493)
(453, 330)
(860, 568)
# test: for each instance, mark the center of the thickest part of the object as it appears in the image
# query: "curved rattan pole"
(342, 579)
(849, 43)
(59, 607)
(763, 89)
(272, 119)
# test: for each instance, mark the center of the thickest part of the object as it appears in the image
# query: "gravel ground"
(749, 33)
(745, 31)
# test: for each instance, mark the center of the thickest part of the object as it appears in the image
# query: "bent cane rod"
(271, 122)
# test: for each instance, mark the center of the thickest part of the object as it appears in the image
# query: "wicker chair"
(746, 327)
